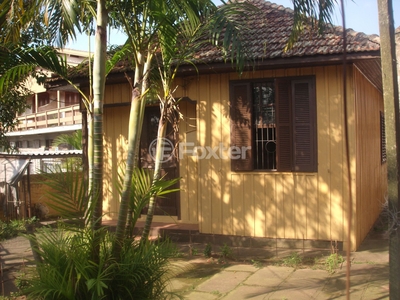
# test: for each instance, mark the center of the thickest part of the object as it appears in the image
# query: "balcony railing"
(50, 118)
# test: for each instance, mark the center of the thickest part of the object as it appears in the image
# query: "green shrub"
(333, 262)
(207, 250)
(226, 251)
(69, 271)
(14, 227)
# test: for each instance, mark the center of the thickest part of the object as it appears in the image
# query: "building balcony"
(70, 115)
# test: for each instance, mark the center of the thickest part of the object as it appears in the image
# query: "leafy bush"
(78, 262)
(226, 251)
(14, 227)
(69, 270)
(333, 262)
(207, 250)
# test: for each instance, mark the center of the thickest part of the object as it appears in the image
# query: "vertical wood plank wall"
(115, 143)
(371, 176)
(269, 204)
(291, 205)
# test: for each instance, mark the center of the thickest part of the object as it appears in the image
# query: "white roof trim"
(45, 130)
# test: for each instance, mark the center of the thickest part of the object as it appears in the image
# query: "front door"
(169, 204)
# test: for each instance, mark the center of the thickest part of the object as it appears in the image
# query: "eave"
(368, 63)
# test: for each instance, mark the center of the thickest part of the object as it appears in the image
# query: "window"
(383, 138)
(274, 121)
(43, 99)
(72, 98)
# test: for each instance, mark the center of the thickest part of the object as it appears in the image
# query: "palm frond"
(15, 17)
(67, 192)
(18, 63)
(226, 26)
(118, 55)
(61, 18)
(74, 140)
(317, 14)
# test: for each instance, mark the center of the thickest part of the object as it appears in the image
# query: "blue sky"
(361, 15)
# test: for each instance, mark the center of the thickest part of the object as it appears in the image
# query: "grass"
(257, 264)
(294, 260)
(333, 262)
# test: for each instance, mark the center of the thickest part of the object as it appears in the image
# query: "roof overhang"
(367, 62)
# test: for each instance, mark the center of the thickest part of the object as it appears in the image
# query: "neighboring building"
(286, 177)
(50, 113)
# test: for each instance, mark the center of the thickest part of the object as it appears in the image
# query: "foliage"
(207, 250)
(14, 227)
(166, 30)
(226, 251)
(74, 140)
(142, 189)
(257, 264)
(52, 21)
(12, 103)
(293, 260)
(69, 272)
(333, 262)
(67, 190)
(312, 15)
(77, 262)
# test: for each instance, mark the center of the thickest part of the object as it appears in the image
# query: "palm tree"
(62, 19)
(391, 103)
(155, 25)
(192, 32)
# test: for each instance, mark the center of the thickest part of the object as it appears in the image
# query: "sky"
(361, 15)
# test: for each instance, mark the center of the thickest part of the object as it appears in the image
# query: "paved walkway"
(199, 278)
(369, 278)
(368, 281)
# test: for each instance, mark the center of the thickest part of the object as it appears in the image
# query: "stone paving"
(242, 281)
(369, 278)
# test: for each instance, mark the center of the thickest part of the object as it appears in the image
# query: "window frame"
(43, 99)
(71, 98)
(296, 123)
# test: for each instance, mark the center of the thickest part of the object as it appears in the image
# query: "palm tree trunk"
(99, 72)
(133, 137)
(138, 104)
(162, 129)
(392, 121)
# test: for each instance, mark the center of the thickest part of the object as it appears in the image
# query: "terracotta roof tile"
(269, 29)
(268, 32)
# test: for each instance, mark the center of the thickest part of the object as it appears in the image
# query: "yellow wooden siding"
(268, 204)
(278, 205)
(115, 143)
(188, 164)
(371, 176)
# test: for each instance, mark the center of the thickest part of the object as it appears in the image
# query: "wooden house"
(263, 154)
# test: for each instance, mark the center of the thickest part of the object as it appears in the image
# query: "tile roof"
(269, 29)
(266, 37)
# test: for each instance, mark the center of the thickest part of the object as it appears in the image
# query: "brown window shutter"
(304, 126)
(241, 126)
(283, 120)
